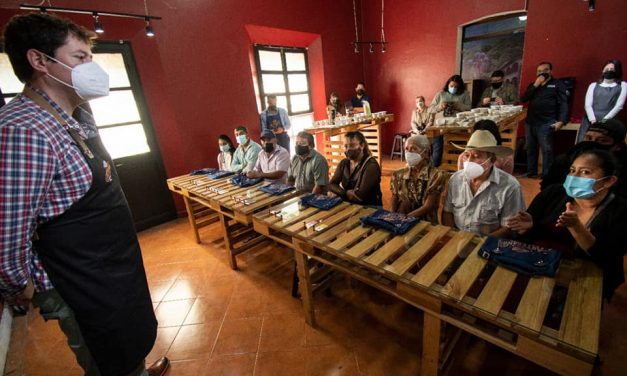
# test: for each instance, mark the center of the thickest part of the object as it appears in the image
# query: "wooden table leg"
(304, 283)
(190, 216)
(430, 345)
(228, 242)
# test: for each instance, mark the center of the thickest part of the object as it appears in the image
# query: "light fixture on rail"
(97, 25)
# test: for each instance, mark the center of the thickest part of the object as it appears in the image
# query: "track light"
(591, 5)
(371, 49)
(97, 25)
(149, 31)
(383, 47)
(356, 48)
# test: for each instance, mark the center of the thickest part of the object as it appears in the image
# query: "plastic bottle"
(367, 110)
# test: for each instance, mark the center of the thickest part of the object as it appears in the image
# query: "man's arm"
(22, 190)
(320, 174)
(528, 94)
(562, 102)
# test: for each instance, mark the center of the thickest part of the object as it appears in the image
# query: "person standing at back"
(547, 114)
(275, 119)
(604, 99)
(65, 226)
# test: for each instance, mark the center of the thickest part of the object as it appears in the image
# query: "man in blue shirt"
(275, 119)
(245, 156)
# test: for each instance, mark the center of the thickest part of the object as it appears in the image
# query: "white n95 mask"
(89, 80)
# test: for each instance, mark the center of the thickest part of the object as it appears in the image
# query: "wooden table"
(437, 269)
(334, 138)
(231, 204)
(508, 128)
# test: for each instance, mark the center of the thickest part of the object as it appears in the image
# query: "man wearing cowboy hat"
(482, 197)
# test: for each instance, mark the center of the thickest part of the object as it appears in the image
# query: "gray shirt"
(497, 199)
(307, 173)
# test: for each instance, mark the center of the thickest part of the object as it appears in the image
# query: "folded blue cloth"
(203, 171)
(320, 201)
(219, 174)
(276, 188)
(527, 259)
(243, 181)
(395, 223)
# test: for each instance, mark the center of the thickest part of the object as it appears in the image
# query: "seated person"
(505, 163)
(499, 92)
(358, 177)
(246, 154)
(581, 217)
(422, 117)
(225, 157)
(608, 135)
(481, 196)
(416, 189)
(335, 107)
(309, 170)
(273, 161)
(357, 102)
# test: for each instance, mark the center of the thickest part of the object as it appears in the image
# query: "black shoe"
(159, 368)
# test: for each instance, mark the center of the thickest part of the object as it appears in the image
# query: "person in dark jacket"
(547, 113)
(357, 178)
(608, 135)
(581, 217)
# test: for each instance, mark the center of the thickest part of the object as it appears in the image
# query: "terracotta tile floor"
(216, 321)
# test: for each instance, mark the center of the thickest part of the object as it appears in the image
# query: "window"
(117, 115)
(494, 44)
(284, 72)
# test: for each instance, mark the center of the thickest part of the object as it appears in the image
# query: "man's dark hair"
(498, 73)
(362, 84)
(461, 86)
(546, 63)
(270, 96)
(307, 136)
(241, 128)
(43, 32)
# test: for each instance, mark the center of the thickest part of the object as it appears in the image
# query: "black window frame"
(285, 73)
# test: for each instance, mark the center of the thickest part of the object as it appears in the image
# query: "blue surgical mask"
(578, 187)
(452, 90)
(225, 148)
(241, 139)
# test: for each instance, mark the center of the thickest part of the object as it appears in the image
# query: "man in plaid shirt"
(65, 228)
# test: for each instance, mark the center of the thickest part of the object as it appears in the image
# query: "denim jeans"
(52, 307)
(542, 136)
(436, 150)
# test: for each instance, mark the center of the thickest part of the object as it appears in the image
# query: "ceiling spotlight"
(356, 48)
(97, 25)
(383, 47)
(591, 5)
(149, 31)
(371, 49)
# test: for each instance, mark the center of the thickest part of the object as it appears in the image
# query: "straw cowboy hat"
(483, 140)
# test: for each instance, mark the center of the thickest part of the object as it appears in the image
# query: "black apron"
(92, 256)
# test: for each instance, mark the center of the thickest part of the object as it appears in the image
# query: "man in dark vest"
(66, 230)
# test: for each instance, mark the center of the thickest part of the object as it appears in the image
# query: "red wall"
(422, 38)
(196, 71)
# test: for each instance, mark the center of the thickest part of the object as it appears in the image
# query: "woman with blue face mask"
(581, 217)
(226, 152)
(452, 99)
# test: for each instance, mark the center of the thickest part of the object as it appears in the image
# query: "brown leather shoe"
(159, 368)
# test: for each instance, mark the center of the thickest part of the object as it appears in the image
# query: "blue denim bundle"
(276, 188)
(243, 181)
(395, 223)
(320, 201)
(219, 174)
(527, 259)
(203, 171)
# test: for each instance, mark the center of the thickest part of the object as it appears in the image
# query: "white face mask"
(413, 159)
(473, 170)
(89, 80)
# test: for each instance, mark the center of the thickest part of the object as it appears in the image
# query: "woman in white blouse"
(226, 152)
(605, 98)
